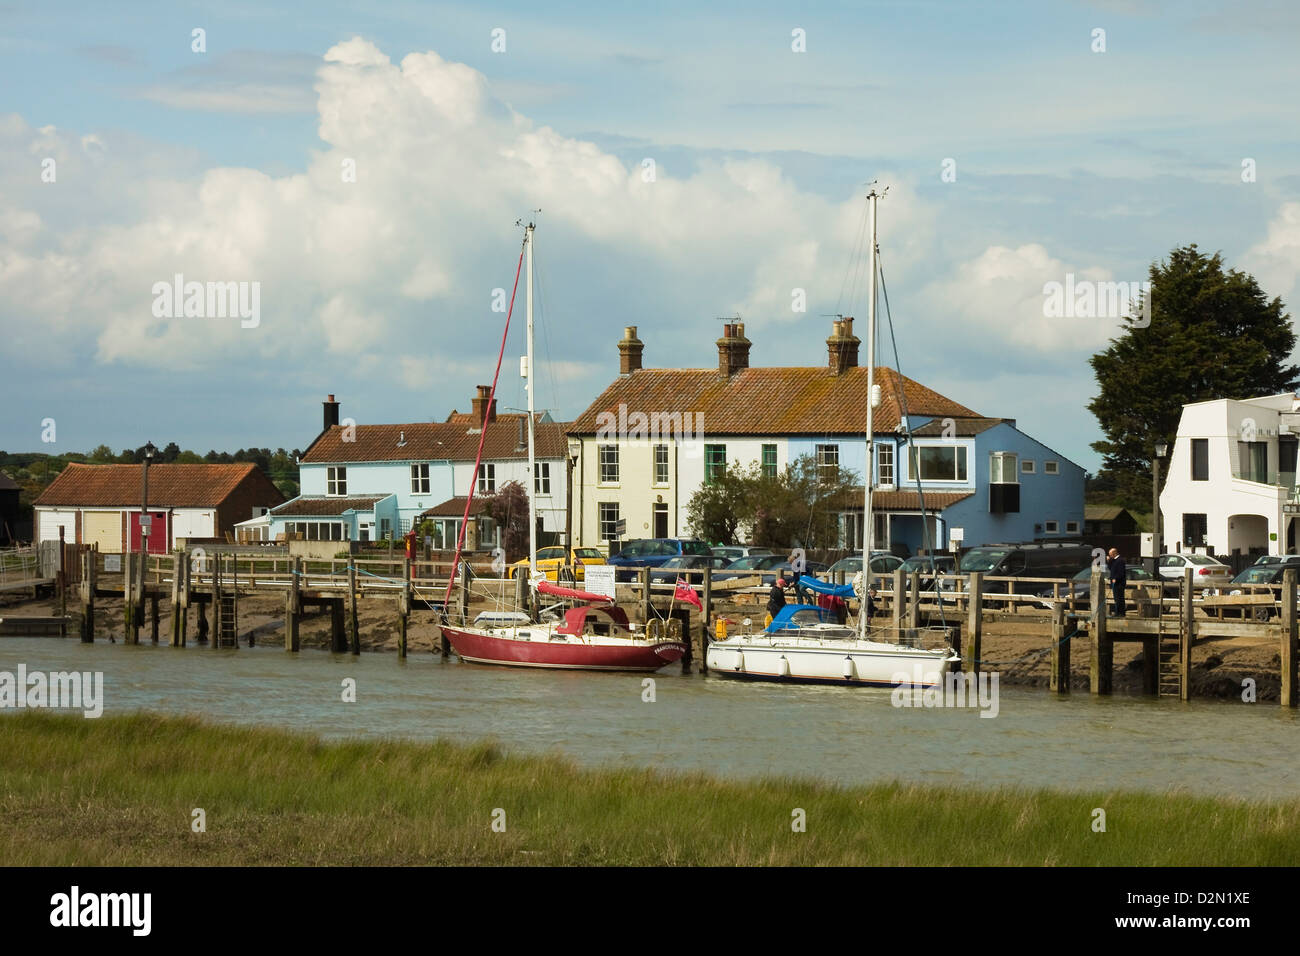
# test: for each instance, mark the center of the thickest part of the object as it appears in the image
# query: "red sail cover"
(546, 587)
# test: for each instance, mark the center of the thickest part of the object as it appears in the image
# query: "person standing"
(1118, 572)
(776, 597)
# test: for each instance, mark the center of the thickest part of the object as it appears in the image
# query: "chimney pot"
(484, 407)
(842, 346)
(629, 351)
(733, 349)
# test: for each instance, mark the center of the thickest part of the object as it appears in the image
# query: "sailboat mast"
(869, 479)
(532, 451)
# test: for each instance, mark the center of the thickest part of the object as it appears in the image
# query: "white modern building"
(1231, 486)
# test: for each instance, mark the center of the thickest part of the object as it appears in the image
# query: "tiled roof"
(451, 508)
(326, 505)
(768, 401)
(437, 441)
(1102, 512)
(962, 427)
(170, 485)
(904, 500)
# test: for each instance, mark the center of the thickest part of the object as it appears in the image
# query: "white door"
(47, 525)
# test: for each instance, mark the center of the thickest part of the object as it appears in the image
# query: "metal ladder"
(1169, 648)
(228, 632)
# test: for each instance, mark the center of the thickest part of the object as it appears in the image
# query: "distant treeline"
(33, 471)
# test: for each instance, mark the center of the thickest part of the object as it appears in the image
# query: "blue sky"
(224, 165)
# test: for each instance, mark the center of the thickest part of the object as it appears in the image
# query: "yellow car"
(550, 560)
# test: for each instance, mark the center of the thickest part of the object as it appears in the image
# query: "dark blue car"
(651, 553)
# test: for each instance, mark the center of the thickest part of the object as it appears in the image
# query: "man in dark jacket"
(1118, 572)
(776, 597)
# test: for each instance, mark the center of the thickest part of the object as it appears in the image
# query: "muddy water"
(708, 723)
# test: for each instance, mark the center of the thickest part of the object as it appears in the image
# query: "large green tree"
(1213, 334)
(794, 508)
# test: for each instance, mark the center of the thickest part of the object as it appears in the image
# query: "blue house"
(370, 482)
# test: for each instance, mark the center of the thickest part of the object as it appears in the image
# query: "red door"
(158, 532)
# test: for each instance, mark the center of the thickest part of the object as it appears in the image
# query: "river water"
(722, 726)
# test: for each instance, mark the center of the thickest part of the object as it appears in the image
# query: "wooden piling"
(404, 608)
(128, 598)
(1059, 682)
(645, 595)
(1101, 656)
(1290, 658)
(216, 601)
(900, 601)
(178, 562)
(338, 636)
(89, 570)
(353, 631)
(1186, 635)
(521, 591)
(1151, 665)
(293, 605)
(153, 616)
(187, 572)
(973, 637)
(706, 620)
(914, 602)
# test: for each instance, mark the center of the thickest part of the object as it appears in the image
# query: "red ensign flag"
(687, 593)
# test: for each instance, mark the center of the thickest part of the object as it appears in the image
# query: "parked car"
(927, 566)
(1025, 561)
(768, 567)
(734, 552)
(688, 567)
(882, 562)
(1277, 559)
(1270, 574)
(551, 560)
(1081, 585)
(1207, 572)
(652, 552)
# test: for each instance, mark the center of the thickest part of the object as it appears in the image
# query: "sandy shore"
(1218, 665)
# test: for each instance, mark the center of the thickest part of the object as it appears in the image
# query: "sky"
(362, 166)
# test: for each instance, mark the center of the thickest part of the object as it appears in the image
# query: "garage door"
(192, 524)
(103, 528)
(49, 522)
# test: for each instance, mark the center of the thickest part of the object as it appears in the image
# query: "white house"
(1231, 487)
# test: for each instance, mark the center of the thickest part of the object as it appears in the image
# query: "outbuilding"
(101, 504)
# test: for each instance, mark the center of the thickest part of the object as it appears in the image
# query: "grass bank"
(121, 790)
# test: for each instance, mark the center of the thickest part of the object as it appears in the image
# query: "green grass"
(120, 790)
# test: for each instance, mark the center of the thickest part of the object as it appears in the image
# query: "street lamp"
(1157, 544)
(145, 521)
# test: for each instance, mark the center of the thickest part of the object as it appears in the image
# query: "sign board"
(620, 527)
(599, 579)
(113, 563)
(1148, 544)
(955, 536)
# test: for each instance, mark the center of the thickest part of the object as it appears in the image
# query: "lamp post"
(1157, 544)
(149, 452)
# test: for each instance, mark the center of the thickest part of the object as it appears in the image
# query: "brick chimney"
(331, 412)
(629, 351)
(484, 406)
(842, 346)
(733, 349)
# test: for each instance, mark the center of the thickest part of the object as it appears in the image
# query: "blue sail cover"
(786, 619)
(825, 587)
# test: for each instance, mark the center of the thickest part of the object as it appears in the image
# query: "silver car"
(1207, 572)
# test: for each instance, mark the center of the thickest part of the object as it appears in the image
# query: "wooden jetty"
(1167, 617)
